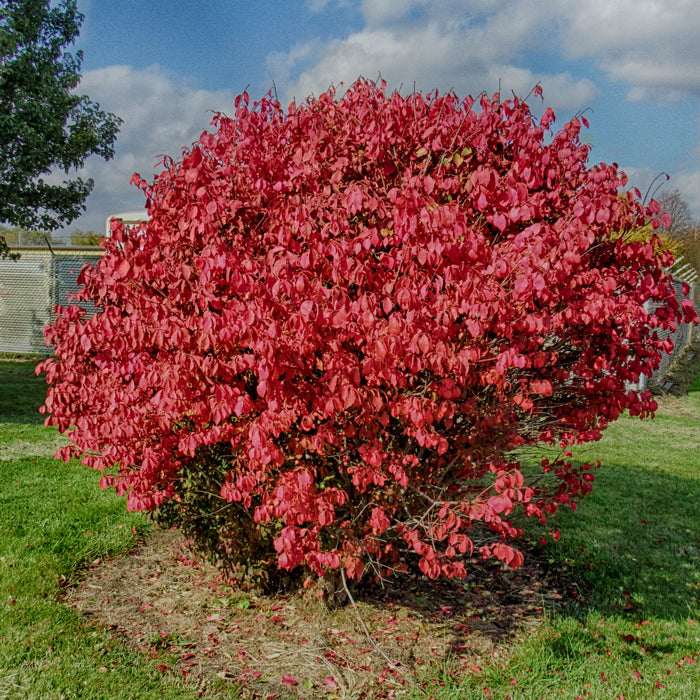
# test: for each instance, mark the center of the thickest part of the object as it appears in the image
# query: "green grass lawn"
(632, 549)
(53, 522)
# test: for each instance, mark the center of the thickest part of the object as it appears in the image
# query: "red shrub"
(343, 322)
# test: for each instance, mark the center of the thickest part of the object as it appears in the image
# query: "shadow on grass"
(21, 391)
(633, 545)
(695, 387)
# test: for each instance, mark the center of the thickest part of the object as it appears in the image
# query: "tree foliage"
(17, 237)
(45, 127)
(85, 238)
(344, 322)
(683, 232)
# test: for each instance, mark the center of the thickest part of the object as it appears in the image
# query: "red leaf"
(121, 270)
(306, 308)
(499, 221)
(500, 504)
(521, 285)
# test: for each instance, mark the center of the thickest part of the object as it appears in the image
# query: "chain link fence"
(684, 337)
(29, 289)
(684, 333)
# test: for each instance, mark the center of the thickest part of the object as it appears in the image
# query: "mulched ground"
(165, 602)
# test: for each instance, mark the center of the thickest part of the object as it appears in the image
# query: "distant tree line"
(683, 234)
(18, 237)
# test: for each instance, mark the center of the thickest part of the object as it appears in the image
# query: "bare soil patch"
(165, 602)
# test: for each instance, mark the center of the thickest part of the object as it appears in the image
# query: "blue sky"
(164, 65)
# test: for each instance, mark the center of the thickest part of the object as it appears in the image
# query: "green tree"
(79, 237)
(46, 129)
(18, 236)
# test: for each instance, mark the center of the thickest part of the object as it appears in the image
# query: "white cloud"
(441, 54)
(649, 45)
(465, 45)
(161, 117)
(688, 184)
(599, 25)
(379, 12)
(281, 67)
